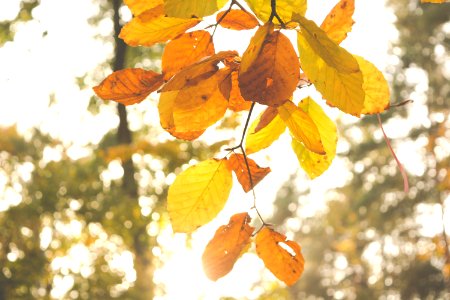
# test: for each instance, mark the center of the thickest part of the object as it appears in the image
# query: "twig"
(274, 14)
(402, 103)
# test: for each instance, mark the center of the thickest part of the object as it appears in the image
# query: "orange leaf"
(266, 117)
(237, 19)
(128, 86)
(236, 162)
(152, 26)
(339, 21)
(286, 265)
(185, 50)
(224, 249)
(273, 75)
(235, 101)
(138, 6)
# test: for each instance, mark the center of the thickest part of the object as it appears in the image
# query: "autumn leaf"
(376, 88)
(286, 265)
(198, 194)
(301, 126)
(274, 72)
(285, 9)
(236, 19)
(139, 6)
(153, 26)
(334, 72)
(192, 8)
(338, 23)
(235, 101)
(227, 245)
(432, 1)
(185, 50)
(315, 164)
(262, 138)
(129, 86)
(236, 162)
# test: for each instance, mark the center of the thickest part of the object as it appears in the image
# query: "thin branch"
(274, 14)
(402, 103)
(233, 2)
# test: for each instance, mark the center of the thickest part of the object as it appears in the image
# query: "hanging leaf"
(185, 50)
(285, 9)
(338, 23)
(375, 87)
(139, 6)
(235, 102)
(192, 8)
(198, 194)
(334, 72)
(315, 164)
(236, 162)
(286, 265)
(153, 26)
(273, 75)
(129, 86)
(254, 47)
(227, 245)
(301, 126)
(237, 19)
(257, 140)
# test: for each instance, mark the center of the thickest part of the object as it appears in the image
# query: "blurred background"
(83, 182)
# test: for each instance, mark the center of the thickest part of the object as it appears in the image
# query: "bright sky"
(34, 67)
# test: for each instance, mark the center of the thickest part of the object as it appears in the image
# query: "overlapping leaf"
(192, 8)
(285, 9)
(260, 137)
(237, 19)
(186, 50)
(338, 23)
(139, 6)
(153, 26)
(236, 162)
(198, 194)
(273, 72)
(235, 101)
(129, 86)
(285, 266)
(315, 164)
(301, 126)
(226, 246)
(334, 72)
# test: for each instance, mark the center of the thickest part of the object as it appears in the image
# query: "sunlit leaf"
(375, 87)
(192, 8)
(236, 102)
(273, 75)
(227, 245)
(153, 26)
(334, 72)
(433, 1)
(129, 86)
(257, 140)
(185, 50)
(282, 257)
(301, 126)
(236, 162)
(139, 6)
(315, 164)
(254, 47)
(237, 19)
(198, 194)
(285, 9)
(338, 23)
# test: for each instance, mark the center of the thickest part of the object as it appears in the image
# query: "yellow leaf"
(227, 245)
(129, 86)
(152, 26)
(285, 9)
(236, 162)
(185, 50)
(286, 265)
(339, 21)
(192, 8)
(257, 140)
(334, 72)
(198, 194)
(301, 126)
(273, 75)
(237, 19)
(375, 87)
(254, 47)
(315, 164)
(139, 6)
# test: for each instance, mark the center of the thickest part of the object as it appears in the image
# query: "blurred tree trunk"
(143, 256)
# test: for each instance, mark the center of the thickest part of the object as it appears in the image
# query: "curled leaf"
(236, 162)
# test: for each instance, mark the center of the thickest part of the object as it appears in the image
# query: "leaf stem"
(274, 14)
